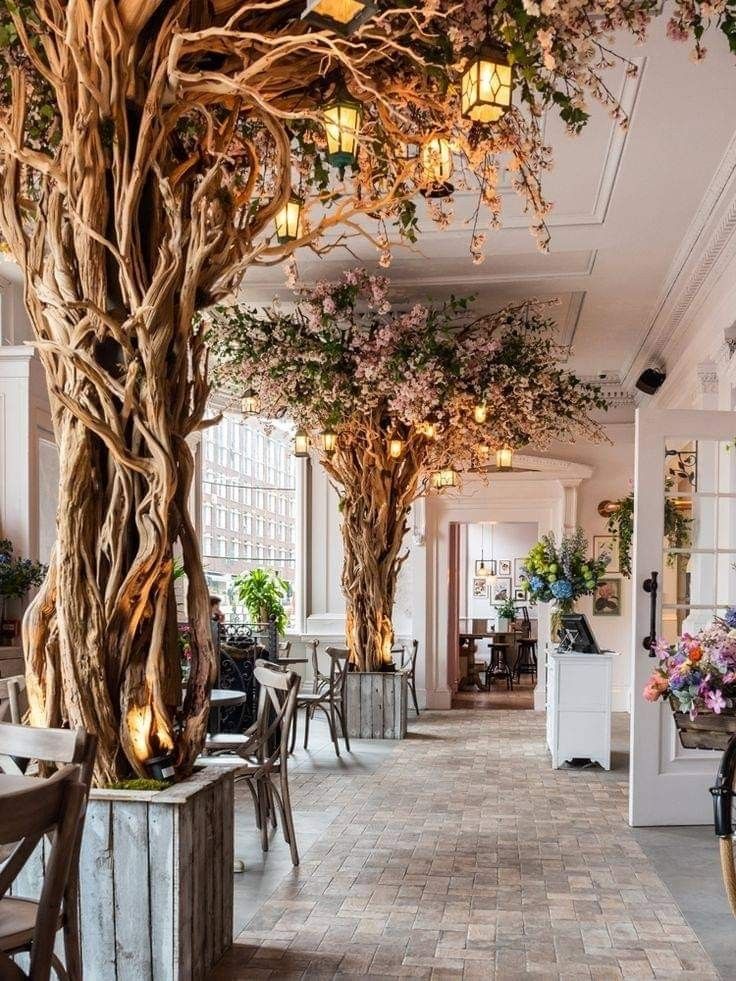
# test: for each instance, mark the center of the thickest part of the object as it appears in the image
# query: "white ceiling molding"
(707, 248)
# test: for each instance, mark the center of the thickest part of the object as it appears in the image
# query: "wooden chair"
(410, 666)
(12, 700)
(33, 807)
(265, 749)
(329, 695)
(284, 649)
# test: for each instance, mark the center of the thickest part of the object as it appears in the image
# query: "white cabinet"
(579, 707)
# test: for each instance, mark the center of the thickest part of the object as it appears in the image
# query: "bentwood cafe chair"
(31, 809)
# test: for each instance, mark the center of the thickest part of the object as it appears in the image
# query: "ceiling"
(625, 205)
(630, 209)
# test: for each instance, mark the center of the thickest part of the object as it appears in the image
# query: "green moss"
(139, 783)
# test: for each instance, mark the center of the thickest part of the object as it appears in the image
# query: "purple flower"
(715, 700)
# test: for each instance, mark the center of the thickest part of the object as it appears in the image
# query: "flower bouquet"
(697, 675)
(561, 574)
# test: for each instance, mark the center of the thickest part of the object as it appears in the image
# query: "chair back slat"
(11, 691)
(32, 805)
(277, 704)
(339, 667)
(49, 745)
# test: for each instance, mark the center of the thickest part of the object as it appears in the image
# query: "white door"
(681, 455)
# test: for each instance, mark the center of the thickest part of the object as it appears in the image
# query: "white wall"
(511, 540)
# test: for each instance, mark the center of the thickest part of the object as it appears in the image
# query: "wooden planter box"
(706, 731)
(377, 704)
(156, 880)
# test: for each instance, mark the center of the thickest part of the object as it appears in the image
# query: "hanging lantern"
(288, 221)
(249, 404)
(341, 16)
(437, 167)
(486, 85)
(301, 445)
(480, 412)
(395, 447)
(444, 478)
(504, 459)
(427, 429)
(343, 118)
(329, 441)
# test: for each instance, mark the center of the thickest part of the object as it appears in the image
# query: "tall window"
(249, 488)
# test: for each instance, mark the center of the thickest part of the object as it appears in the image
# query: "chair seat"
(17, 922)
(312, 697)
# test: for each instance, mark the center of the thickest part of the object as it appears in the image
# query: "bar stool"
(499, 665)
(526, 661)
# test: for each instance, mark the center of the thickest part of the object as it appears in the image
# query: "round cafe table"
(221, 698)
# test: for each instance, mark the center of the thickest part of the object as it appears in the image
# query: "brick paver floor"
(466, 855)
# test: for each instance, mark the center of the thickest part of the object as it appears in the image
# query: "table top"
(291, 660)
(224, 697)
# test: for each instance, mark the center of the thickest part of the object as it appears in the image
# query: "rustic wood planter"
(706, 731)
(156, 880)
(377, 704)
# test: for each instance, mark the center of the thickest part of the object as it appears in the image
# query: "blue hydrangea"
(730, 617)
(562, 589)
(537, 583)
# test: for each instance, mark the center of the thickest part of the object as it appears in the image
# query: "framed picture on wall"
(607, 598)
(501, 590)
(606, 546)
(504, 567)
(480, 588)
(519, 574)
(519, 595)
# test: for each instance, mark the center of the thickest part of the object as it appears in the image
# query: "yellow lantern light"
(437, 167)
(395, 448)
(341, 16)
(504, 459)
(427, 429)
(301, 444)
(343, 116)
(482, 452)
(288, 221)
(480, 412)
(486, 85)
(249, 403)
(444, 478)
(329, 441)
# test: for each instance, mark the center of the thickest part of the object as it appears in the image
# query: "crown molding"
(707, 248)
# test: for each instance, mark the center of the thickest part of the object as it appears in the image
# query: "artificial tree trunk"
(376, 494)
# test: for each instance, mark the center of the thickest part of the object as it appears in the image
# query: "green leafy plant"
(140, 783)
(263, 593)
(17, 576)
(621, 525)
(506, 610)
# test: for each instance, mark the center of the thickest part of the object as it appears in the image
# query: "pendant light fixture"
(395, 447)
(447, 477)
(437, 167)
(288, 220)
(480, 412)
(504, 459)
(343, 117)
(341, 16)
(249, 405)
(486, 85)
(329, 441)
(301, 444)
(427, 429)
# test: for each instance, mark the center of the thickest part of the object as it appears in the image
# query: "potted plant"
(17, 576)
(677, 527)
(561, 574)
(263, 594)
(505, 613)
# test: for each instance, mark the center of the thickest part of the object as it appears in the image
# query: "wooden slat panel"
(366, 707)
(215, 874)
(353, 705)
(97, 900)
(207, 846)
(389, 706)
(131, 891)
(184, 892)
(199, 876)
(376, 683)
(228, 857)
(161, 852)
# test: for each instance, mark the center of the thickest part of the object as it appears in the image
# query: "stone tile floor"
(457, 853)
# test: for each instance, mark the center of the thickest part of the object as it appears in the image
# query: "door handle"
(651, 586)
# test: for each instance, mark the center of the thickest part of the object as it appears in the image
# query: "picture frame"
(607, 598)
(480, 588)
(504, 568)
(607, 545)
(501, 589)
(519, 575)
(519, 595)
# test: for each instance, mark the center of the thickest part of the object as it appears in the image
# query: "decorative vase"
(560, 608)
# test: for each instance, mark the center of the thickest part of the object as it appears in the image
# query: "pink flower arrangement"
(698, 673)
